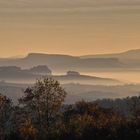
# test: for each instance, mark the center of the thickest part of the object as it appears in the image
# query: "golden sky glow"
(73, 27)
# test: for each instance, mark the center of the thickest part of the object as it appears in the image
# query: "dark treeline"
(125, 106)
(41, 115)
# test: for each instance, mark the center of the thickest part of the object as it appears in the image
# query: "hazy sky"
(68, 26)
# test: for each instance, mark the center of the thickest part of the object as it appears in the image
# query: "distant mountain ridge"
(130, 54)
(63, 63)
(18, 75)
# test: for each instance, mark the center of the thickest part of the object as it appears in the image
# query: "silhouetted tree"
(43, 102)
(40, 115)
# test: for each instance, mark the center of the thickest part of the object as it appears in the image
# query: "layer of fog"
(77, 92)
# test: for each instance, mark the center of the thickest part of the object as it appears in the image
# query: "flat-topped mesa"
(41, 69)
(73, 73)
(32, 55)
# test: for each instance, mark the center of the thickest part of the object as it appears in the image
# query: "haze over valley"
(69, 69)
(88, 77)
(123, 66)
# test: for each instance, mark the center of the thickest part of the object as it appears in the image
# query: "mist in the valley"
(83, 77)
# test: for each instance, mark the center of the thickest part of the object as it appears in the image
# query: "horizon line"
(65, 54)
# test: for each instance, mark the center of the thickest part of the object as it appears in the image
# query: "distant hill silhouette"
(61, 63)
(131, 54)
(130, 58)
(16, 74)
(41, 69)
